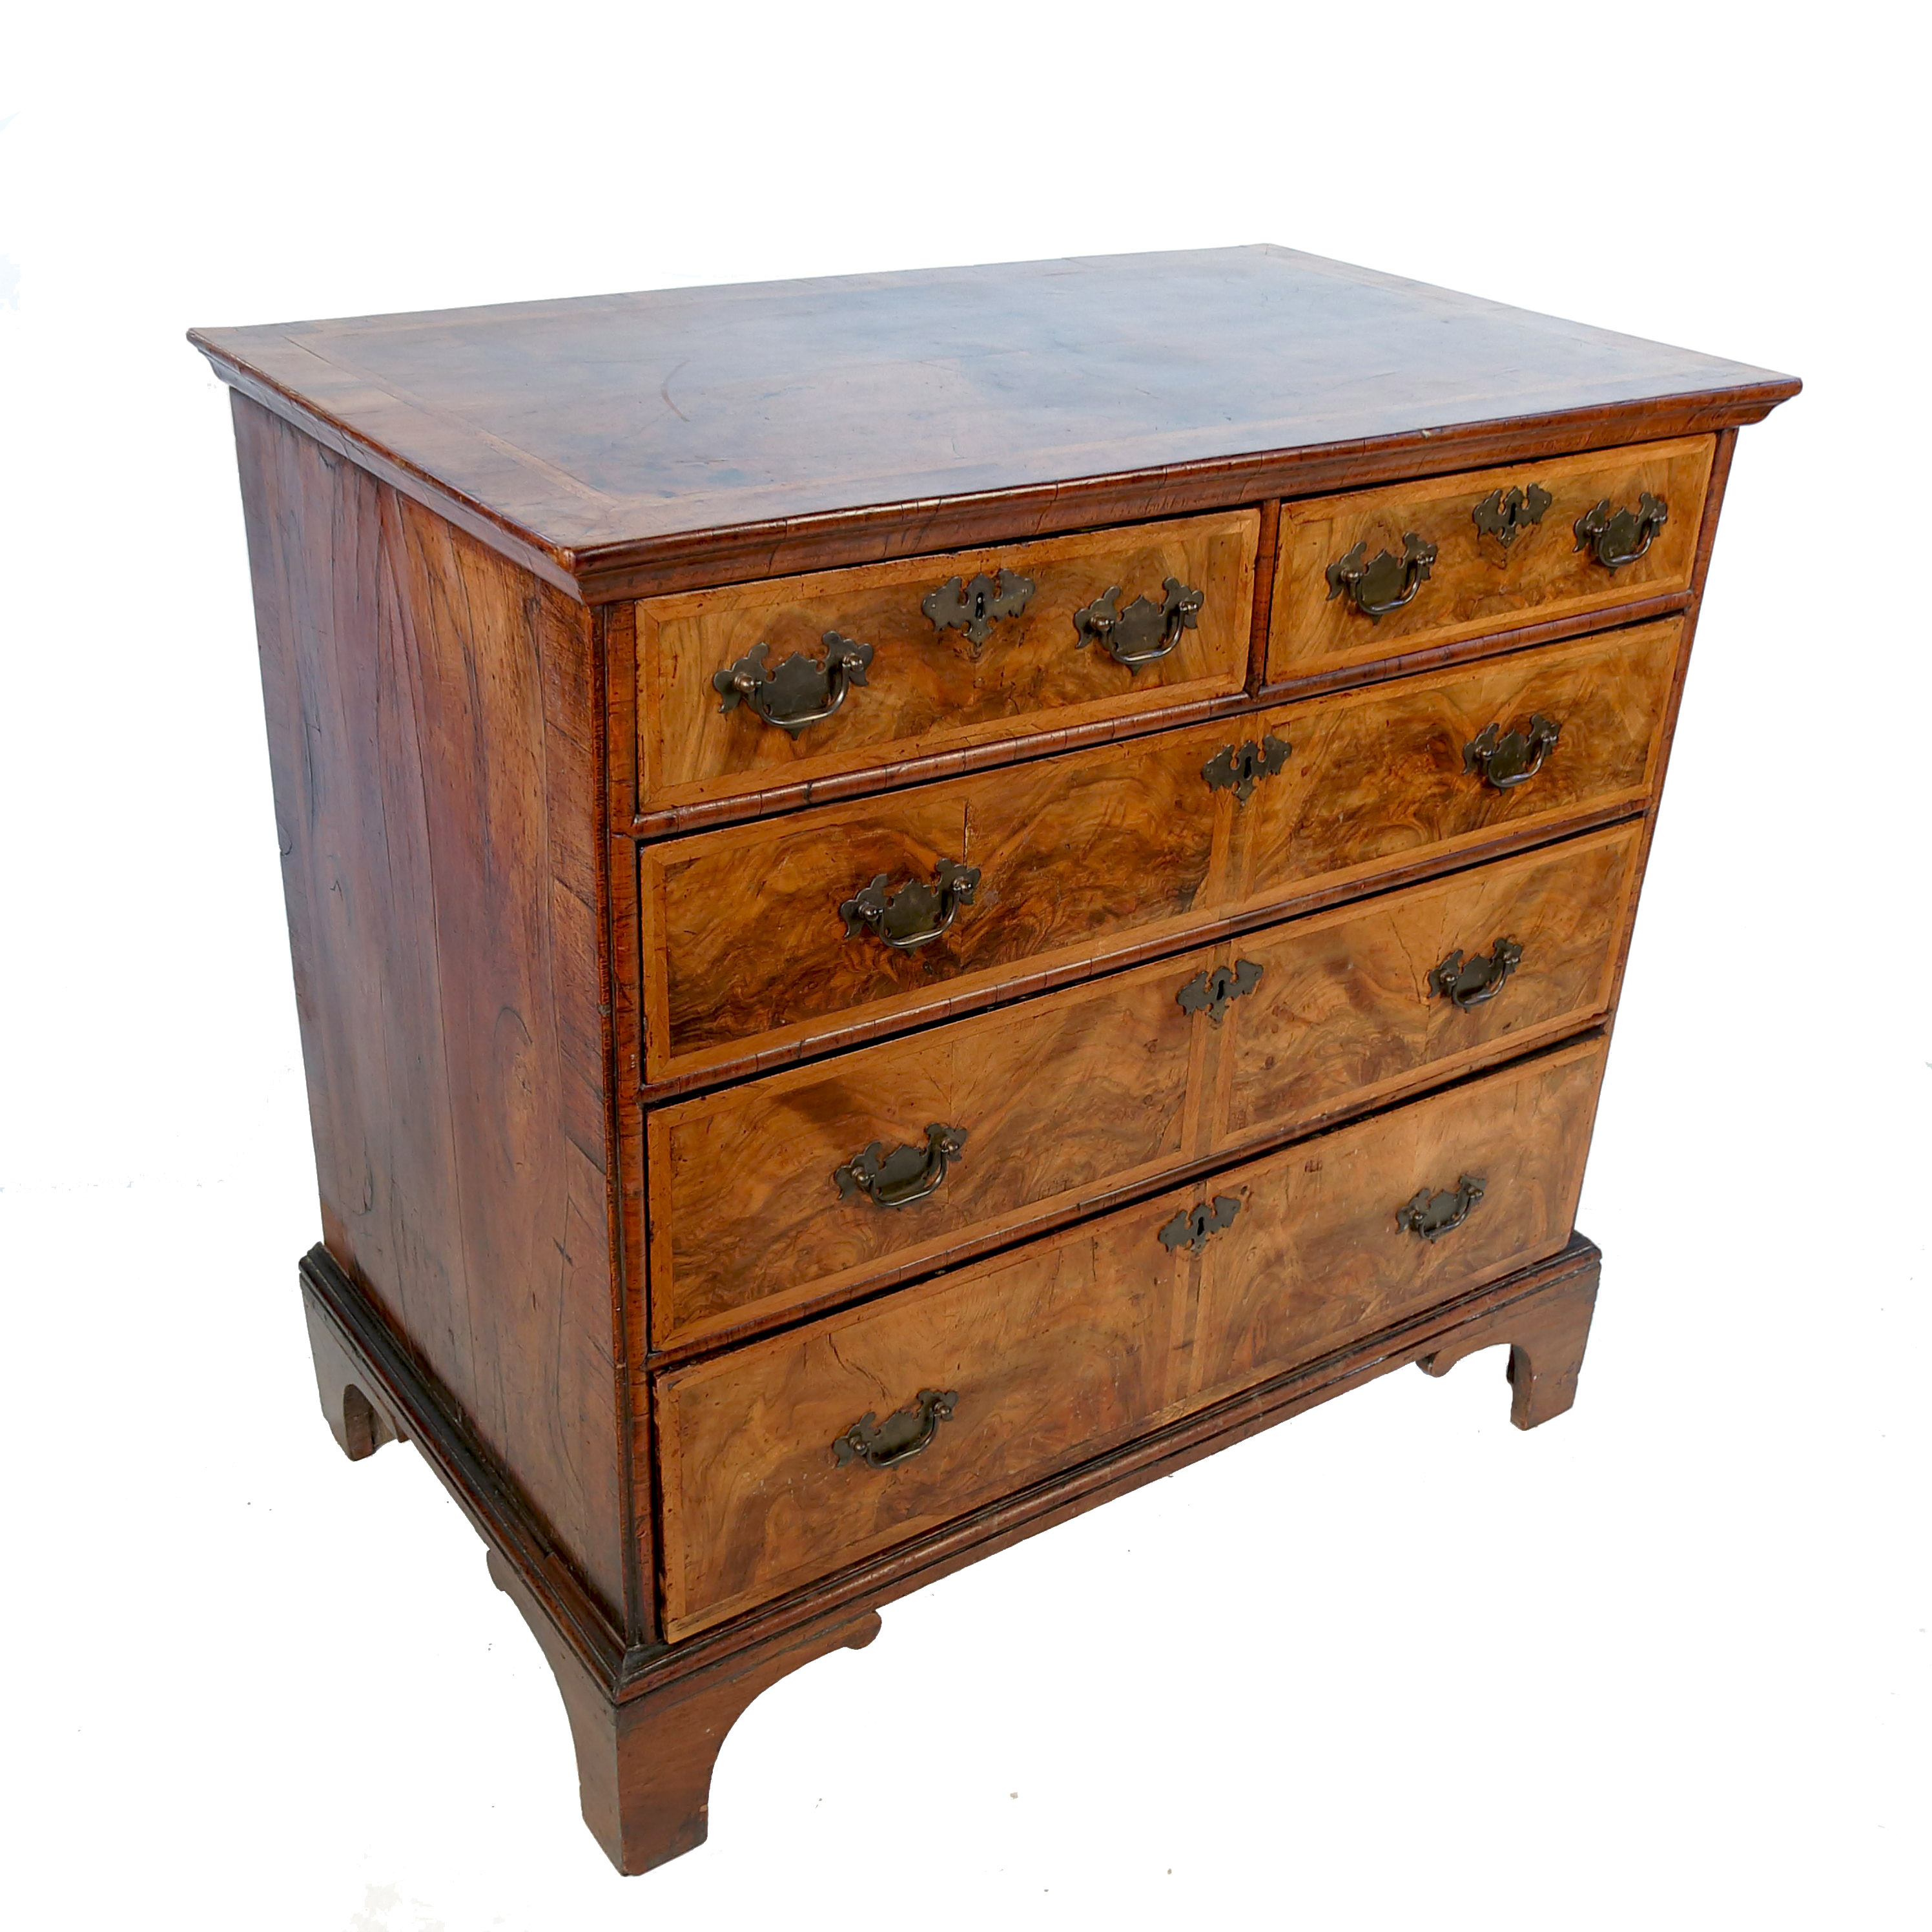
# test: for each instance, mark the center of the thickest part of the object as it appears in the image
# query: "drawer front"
(768, 935)
(1080, 1341)
(1493, 567)
(959, 650)
(1323, 1259)
(764, 1200)
(1357, 1005)
(756, 1207)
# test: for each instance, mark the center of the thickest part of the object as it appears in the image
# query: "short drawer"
(788, 1459)
(1375, 573)
(760, 937)
(940, 653)
(804, 1187)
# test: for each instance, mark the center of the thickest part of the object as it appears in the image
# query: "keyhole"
(978, 607)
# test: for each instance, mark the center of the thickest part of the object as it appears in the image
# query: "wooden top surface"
(616, 422)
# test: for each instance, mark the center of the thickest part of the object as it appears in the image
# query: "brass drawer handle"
(907, 1174)
(1472, 981)
(1244, 766)
(1506, 515)
(976, 608)
(1190, 1228)
(1215, 992)
(1433, 1215)
(917, 913)
(1506, 759)
(799, 692)
(1386, 582)
(904, 1433)
(1618, 537)
(1144, 630)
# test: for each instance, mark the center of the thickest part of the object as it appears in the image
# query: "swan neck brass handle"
(1506, 759)
(1432, 1215)
(799, 692)
(1475, 981)
(976, 606)
(904, 1433)
(907, 1174)
(1385, 582)
(1621, 536)
(1144, 630)
(917, 913)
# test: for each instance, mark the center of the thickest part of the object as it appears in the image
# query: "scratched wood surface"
(724, 433)
(930, 689)
(1093, 1089)
(1084, 856)
(1073, 1343)
(432, 726)
(1478, 582)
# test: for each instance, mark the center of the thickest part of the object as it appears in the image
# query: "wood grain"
(645, 1669)
(1075, 1342)
(759, 429)
(1103, 1087)
(748, 939)
(1057, 1352)
(1379, 775)
(1546, 1342)
(1316, 1258)
(432, 719)
(1083, 1091)
(492, 979)
(673, 821)
(624, 978)
(1084, 856)
(356, 1415)
(928, 689)
(1478, 584)
(646, 1726)
(356, 1344)
(1713, 503)
(743, 553)
(1345, 1013)
(644, 1765)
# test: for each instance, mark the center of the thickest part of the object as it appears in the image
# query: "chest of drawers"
(917, 898)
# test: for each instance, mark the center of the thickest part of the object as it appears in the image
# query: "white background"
(1661, 1663)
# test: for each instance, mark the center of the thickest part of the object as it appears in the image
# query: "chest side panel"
(431, 713)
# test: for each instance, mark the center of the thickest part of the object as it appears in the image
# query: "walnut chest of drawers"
(917, 898)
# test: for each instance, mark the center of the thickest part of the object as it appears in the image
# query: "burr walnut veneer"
(917, 898)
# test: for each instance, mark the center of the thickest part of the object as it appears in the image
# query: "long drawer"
(783, 934)
(1459, 557)
(803, 1188)
(936, 654)
(788, 1458)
